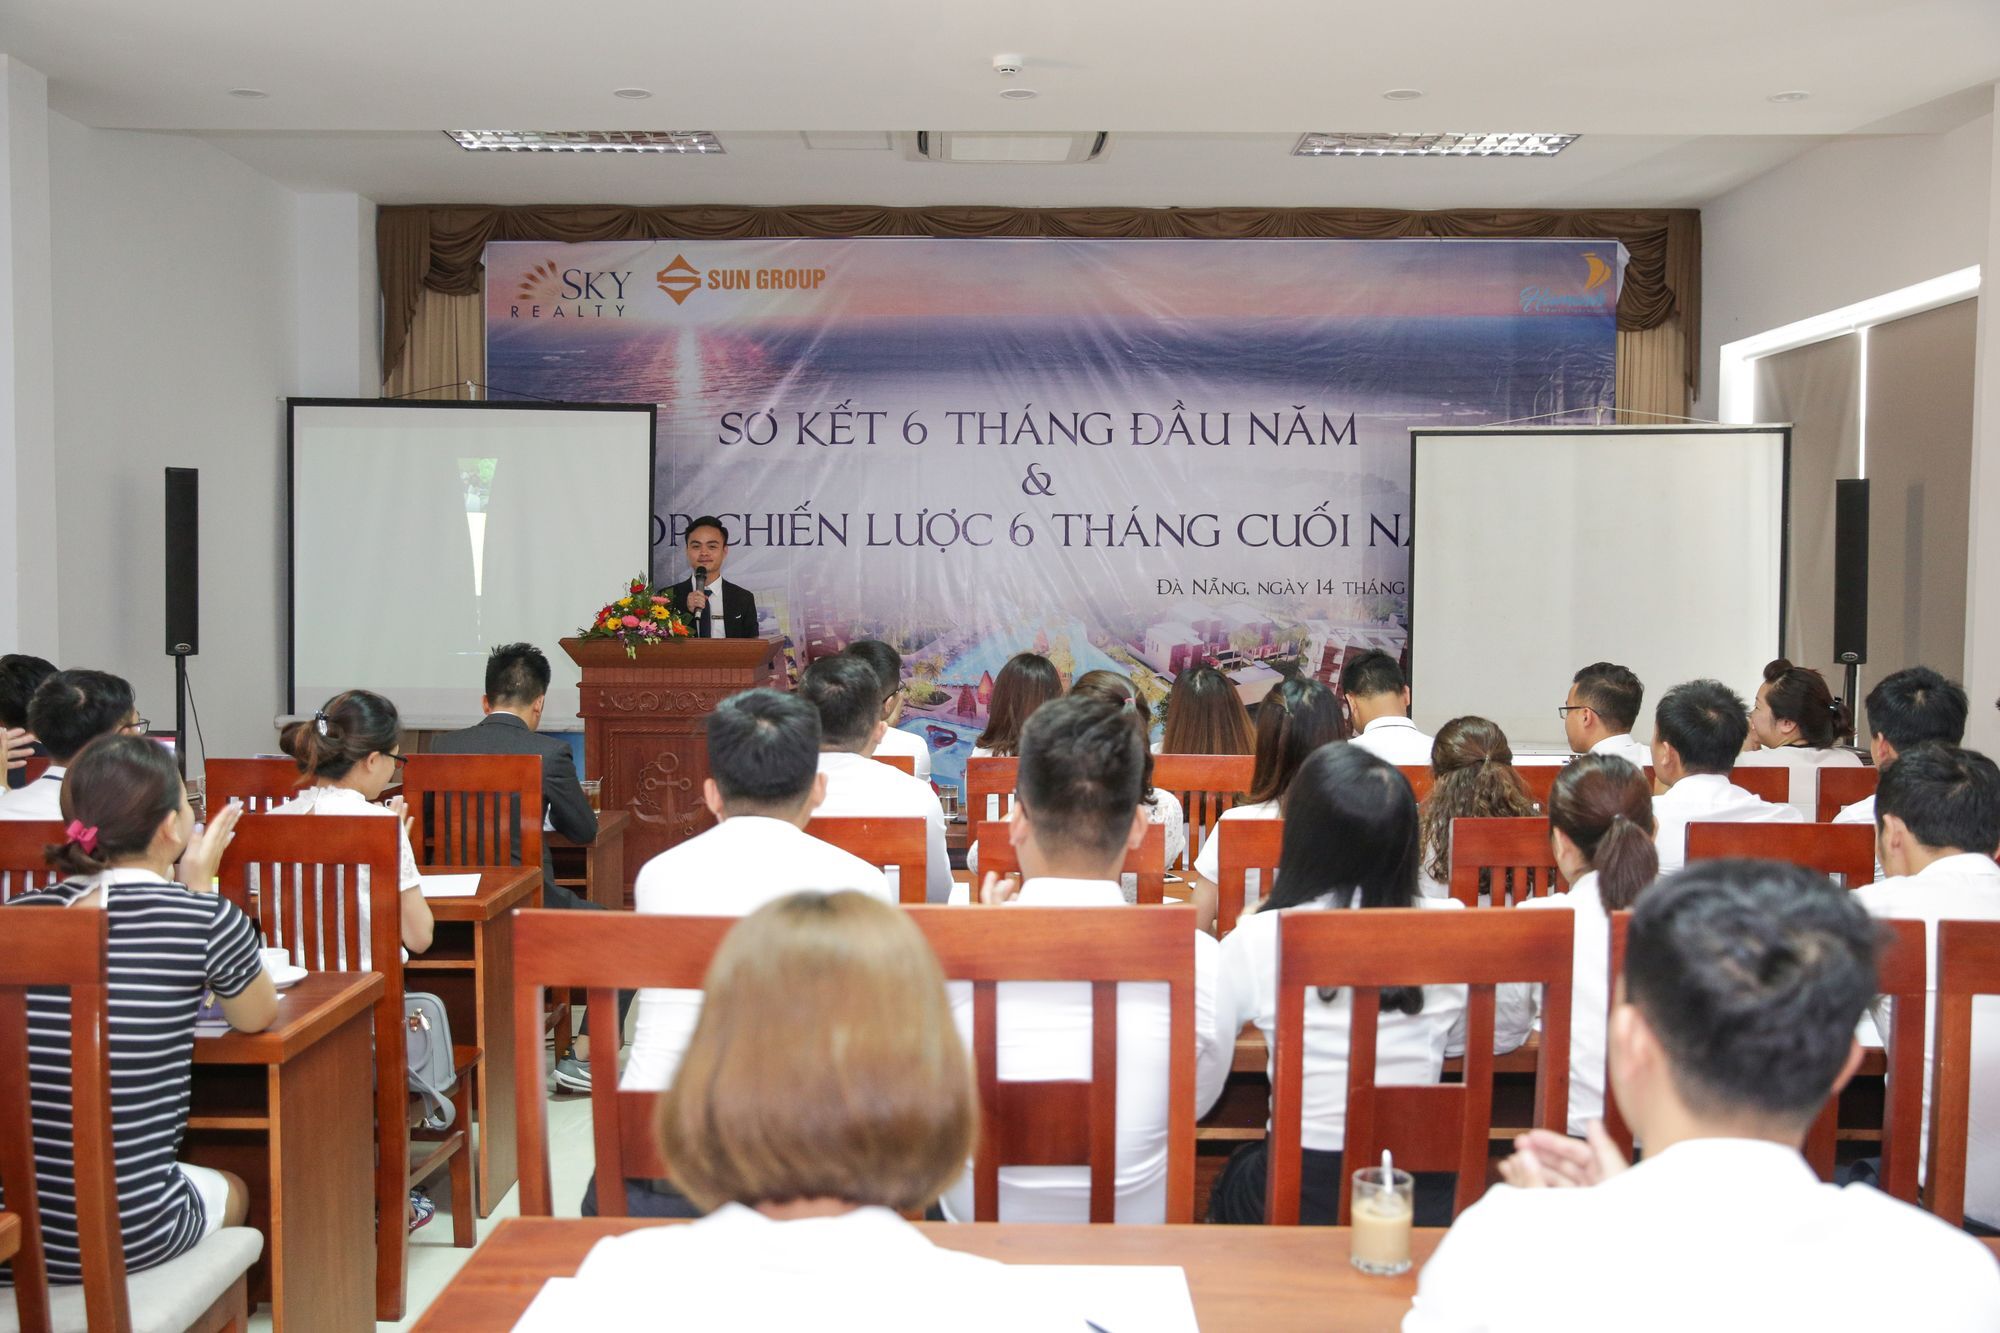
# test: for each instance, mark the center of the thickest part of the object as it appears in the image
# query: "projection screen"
(1538, 551)
(424, 534)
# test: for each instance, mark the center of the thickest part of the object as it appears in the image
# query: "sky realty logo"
(550, 292)
(680, 279)
(1594, 298)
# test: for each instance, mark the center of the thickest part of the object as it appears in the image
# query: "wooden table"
(470, 966)
(603, 860)
(1264, 1278)
(291, 1109)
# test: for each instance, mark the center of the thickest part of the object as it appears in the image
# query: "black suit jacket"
(739, 608)
(568, 809)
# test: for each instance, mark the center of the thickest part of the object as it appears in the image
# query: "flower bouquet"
(645, 614)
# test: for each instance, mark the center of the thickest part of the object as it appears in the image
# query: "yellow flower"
(625, 602)
(660, 613)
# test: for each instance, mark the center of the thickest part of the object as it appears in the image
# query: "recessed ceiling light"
(1402, 94)
(1018, 94)
(1431, 145)
(587, 141)
(631, 94)
(1795, 95)
(249, 94)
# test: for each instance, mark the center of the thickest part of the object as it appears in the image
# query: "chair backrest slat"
(1247, 845)
(260, 784)
(1968, 966)
(882, 842)
(1146, 863)
(22, 866)
(1205, 785)
(475, 809)
(1770, 782)
(1516, 852)
(1842, 787)
(1847, 850)
(902, 763)
(989, 792)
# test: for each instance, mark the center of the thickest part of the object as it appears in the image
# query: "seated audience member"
(1601, 833)
(69, 710)
(1907, 708)
(1205, 715)
(1798, 724)
(1698, 731)
(347, 752)
(20, 674)
(847, 694)
(888, 664)
(1162, 807)
(1743, 983)
(170, 944)
(1598, 713)
(1028, 681)
(1473, 768)
(763, 754)
(1350, 842)
(1076, 814)
(824, 1091)
(1937, 818)
(1378, 707)
(1297, 717)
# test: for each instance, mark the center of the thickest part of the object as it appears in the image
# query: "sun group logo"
(550, 292)
(1593, 299)
(678, 279)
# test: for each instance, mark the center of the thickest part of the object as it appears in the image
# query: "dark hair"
(1297, 717)
(1116, 689)
(763, 748)
(848, 696)
(120, 787)
(1705, 723)
(19, 675)
(1205, 715)
(1028, 681)
(70, 709)
(1605, 806)
(1799, 695)
(1350, 826)
(1475, 779)
(706, 521)
(1610, 691)
(1753, 975)
(1915, 705)
(1082, 774)
(886, 661)
(340, 735)
(1373, 672)
(516, 673)
(1945, 796)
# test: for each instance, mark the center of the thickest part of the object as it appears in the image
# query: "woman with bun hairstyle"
(1162, 807)
(1798, 724)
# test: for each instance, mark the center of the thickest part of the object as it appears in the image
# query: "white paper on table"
(1118, 1298)
(450, 886)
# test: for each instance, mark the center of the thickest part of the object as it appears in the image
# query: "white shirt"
(857, 787)
(40, 799)
(897, 741)
(716, 628)
(1805, 761)
(1704, 798)
(1208, 861)
(1721, 1234)
(731, 870)
(347, 801)
(1622, 746)
(1589, 997)
(1861, 812)
(1044, 1032)
(1395, 739)
(1409, 1048)
(1965, 887)
(865, 1270)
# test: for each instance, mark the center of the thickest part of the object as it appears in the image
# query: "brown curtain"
(444, 355)
(1652, 374)
(1817, 388)
(437, 247)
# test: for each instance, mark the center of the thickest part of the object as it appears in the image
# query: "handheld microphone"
(701, 578)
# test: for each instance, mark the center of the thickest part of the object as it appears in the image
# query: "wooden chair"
(69, 950)
(1772, 783)
(1842, 787)
(1205, 785)
(1247, 844)
(475, 809)
(260, 784)
(1517, 847)
(22, 865)
(1147, 862)
(902, 763)
(1968, 965)
(1419, 777)
(305, 870)
(1435, 1127)
(988, 777)
(882, 842)
(1847, 850)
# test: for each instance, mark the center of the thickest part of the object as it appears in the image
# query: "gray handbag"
(427, 1051)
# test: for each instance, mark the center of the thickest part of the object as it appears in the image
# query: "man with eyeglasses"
(68, 711)
(1598, 713)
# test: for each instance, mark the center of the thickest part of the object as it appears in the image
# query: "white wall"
(1982, 585)
(338, 304)
(27, 374)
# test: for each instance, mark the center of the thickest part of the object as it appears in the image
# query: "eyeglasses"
(138, 726)
(1567, 709)
(399, 759)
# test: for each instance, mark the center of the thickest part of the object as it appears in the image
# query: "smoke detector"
(1008, 63)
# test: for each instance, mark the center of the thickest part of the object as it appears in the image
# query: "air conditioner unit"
(1000, 147)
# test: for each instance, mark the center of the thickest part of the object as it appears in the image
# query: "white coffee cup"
(275, 960)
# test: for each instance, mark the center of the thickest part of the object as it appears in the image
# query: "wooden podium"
(642, 728)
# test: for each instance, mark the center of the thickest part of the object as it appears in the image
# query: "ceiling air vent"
(1005, 147)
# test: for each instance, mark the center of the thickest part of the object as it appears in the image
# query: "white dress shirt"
(1397, 740)
(1955, 888)
(347, 801)
(1044, 1032)
(1622, 746)
(865, 1270)
(1409, 1048)
(40, 799)
(716, 628)
(1805, 762)
(731, 870)
(1589, 998)
(897, 741)
(1721, 1234)
(1861, 812)
(857, 787)
(1705, 798)
(1208, 861)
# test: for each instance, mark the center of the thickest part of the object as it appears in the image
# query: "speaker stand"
(180, 713)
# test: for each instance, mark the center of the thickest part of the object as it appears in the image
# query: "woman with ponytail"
(172, 940)
(347, 753)
(1473, 778)
(1798, 724)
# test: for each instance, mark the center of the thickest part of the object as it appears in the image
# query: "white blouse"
(1805, 763)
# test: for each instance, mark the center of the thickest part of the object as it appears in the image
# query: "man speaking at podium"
(715, 609)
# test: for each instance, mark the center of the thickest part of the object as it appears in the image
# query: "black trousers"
(645, 1198)
(1238, 1196)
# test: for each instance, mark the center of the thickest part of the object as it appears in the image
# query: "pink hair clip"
(82, 835)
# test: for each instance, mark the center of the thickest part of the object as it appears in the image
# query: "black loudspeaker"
(183, 563)
(1850, 572)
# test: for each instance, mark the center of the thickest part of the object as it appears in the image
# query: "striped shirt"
(168, 945)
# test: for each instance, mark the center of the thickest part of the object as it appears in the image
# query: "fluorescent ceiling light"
(1024, 147)
(586, 141)
(1432, 145)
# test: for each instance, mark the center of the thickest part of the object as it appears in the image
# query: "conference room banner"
(1128, 453)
